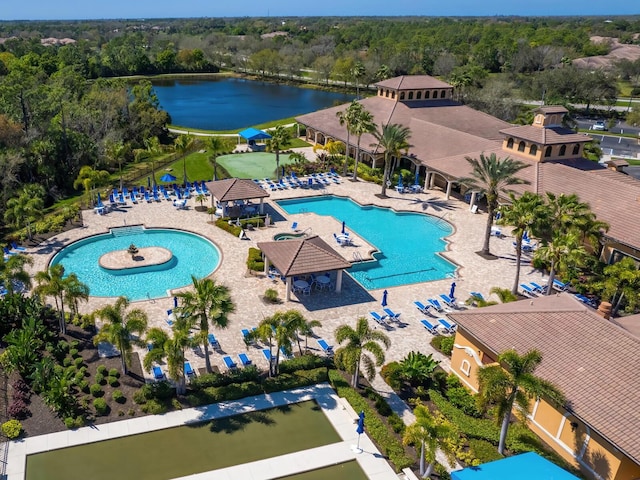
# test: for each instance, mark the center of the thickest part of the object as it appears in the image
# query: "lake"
(236, 103)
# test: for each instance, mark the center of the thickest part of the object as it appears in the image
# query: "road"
(612, 144)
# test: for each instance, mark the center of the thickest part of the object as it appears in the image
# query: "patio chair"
(284, 354)
(446, 326)
(326, 348)
(420, 306)
(538, 288)
(267, 354)
(451, 302)
(560, 286)
(244, 360)
(229, 362)
(147, 197)
(17, 247)
(478, 295)
(379, 319)
(188, 370)
(158, 374)
(391, 314)
(212, 341)
(431, 328)
(8, 252)
(527, 290)
(435, 304)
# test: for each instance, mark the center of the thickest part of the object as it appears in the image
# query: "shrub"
(154, 407)
(100, 405)
(396, 423)
(69, 422)
(305, 362)
(113, 381)
(99, 378)
(248, 374)
(96, 390)
(154, 391)
(18, 409)
(118, 396)
(12, 429)
(254, 260)
(223, 223)
(392, 374)
(67, 361)
(483, 451)
(84, 386)
(299, 378)
(175, 403)
(271, 295)
(383, 407)
(461, 398)
(102, 369)
(232, 391)
(73, 352)
(443, 344)
(20, 387)
(114, 373)
(140, 397)
(78, 362)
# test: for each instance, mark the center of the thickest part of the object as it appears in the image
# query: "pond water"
(236, 103)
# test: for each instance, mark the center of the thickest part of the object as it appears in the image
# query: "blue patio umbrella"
(453, 290)
(282, 172)
(343, 226)
(167, 177)
(99, 203)
(175, 302)
(400, 184)
(384, 298)
(148, 182)
(417, 179)
(360, 429)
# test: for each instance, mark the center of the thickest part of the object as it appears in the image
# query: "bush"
(84, 386)
(99, 378)
(254, 260)
(140, 397)
(12, 429)
(101, 407)
(154, 407)
(118, 396)
(461, 398)
(114, 373)
(96, 390)
(483, 451)
(69, 422)
(154, 391)
(305, 362)
(20, 387)
(396, 423)
(223, 223)
(299, 378)
(67, 361)
(102, 369)
(113, 381)
(248, 374)
(78, 362)
(383, 407)
(443, 344)
(392, 374)
(271, 295)
(73, 352)
(18, 409)
(232, 391)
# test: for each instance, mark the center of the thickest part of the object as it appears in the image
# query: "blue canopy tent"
(527, 466)
(251, 135)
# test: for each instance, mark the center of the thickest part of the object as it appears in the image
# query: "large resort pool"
(408, 243)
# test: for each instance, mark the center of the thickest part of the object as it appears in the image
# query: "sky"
(100, 9)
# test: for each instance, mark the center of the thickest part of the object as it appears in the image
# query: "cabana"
(302, 256)
(232, 190)
(252, 135)
(527, 466)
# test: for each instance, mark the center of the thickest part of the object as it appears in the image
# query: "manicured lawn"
(189, 449)
(198, 168)
(343, 471)
(253, 165)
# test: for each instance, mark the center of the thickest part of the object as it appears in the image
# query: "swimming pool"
(192, 255)
(408, 243)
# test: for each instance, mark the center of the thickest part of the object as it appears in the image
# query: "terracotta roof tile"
(551, 109)
(410, 82)
(546, 135)
(594, 361)
(231, 189)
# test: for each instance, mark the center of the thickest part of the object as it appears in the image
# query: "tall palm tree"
(305, 328)
(12, 271)
(565, 250)
(152, 148)
(51, 284)
(360, 340)
(75, 291)
(524, 214)
(183, 144)
(116, 151)
(346, 118)
(208, 304)
(620, 280)
(358, 71)
(362, 123)
(172, 348)
(120, 327)
(393, 138)
(282, 330)
(216, 145)
(512, 381)
(26, 208)
(90, 179)
(430, 432)
(491, 176)
(280, 138)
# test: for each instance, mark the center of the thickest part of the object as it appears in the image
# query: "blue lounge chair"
(147, 197)
(435, 304)
(17, 247)
(244, 360)
(157, 373)
(326, 348)
(379, 319)
(294, 226)
(8, 252)
(267, 354)
(188, 371)
(391, 314)
(420, 306)
(165, 194)
(284, 354)
(431, 328)
(538, 288)
(559, 285)
(446, 326)
(477, 295)
(229, 362)
(212, 340)
(451, 302)
(528, 290)
(586, 300)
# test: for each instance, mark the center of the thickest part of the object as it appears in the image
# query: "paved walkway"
(342, 418)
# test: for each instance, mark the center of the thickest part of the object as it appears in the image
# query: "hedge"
(375, 427)
(223, 223)
(305, 362)
(299, 378)
(232, 391)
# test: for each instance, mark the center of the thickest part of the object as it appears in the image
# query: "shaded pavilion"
(252, 135)
(233, 190)
(303, 256)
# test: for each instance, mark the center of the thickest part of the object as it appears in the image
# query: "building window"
(410, 95)
(401, 95)
(393, 94)
(521, 146)
(547, 151)
(563, 150)
(386, 93)
(533, 149)
(418, 95)
(426, 94)
(443, 93)
(465, 367)
(576, 149)
(510, 143)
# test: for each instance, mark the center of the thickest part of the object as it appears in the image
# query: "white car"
(600, 126)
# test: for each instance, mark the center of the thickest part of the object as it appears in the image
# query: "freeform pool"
(192, 255)
(407, 243)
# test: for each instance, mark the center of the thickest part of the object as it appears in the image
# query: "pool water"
(408, 243)
(192, 255)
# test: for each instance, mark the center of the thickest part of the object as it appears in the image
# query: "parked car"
(600, 126)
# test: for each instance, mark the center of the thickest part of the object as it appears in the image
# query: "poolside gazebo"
(235, 189)
(252, 135)
(302, 256)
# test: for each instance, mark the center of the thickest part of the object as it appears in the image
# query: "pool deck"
(337, 411)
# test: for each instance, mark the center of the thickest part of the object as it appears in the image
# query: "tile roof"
(231, 189)
(411, 82)
(546, 135)
(551, 109)
(592, 360)
(302, 256)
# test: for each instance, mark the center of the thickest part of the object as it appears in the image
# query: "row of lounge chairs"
(443, 324)
(433, 303)
(292, 181)
(389, 315)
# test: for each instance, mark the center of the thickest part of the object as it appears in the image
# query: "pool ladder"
(307, 231)
(357, 257)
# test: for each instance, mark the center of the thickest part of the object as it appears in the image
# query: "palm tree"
(505, 295)
(216, 145)
(393, 138)
(565, 250)
(152, 149)
(430, 432)
(120, 327)
(183, 145)
(346, 118)
(491, 176)
(209, 304)
(12, 271)
(512, 381)
(305, 328)
(620, 280)
(358, 72)
(524, 214)
(359, 341)
(74, 292)
(90, 179)
(172, 348)
(51, 284)
(280, 138)
(362, 123)
(116, 151)
(282, 329)
(26, 208)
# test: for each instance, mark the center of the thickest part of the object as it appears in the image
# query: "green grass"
(189, 449)
(198, 168)
(343, 471)
(252, 165)
(259, 126)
